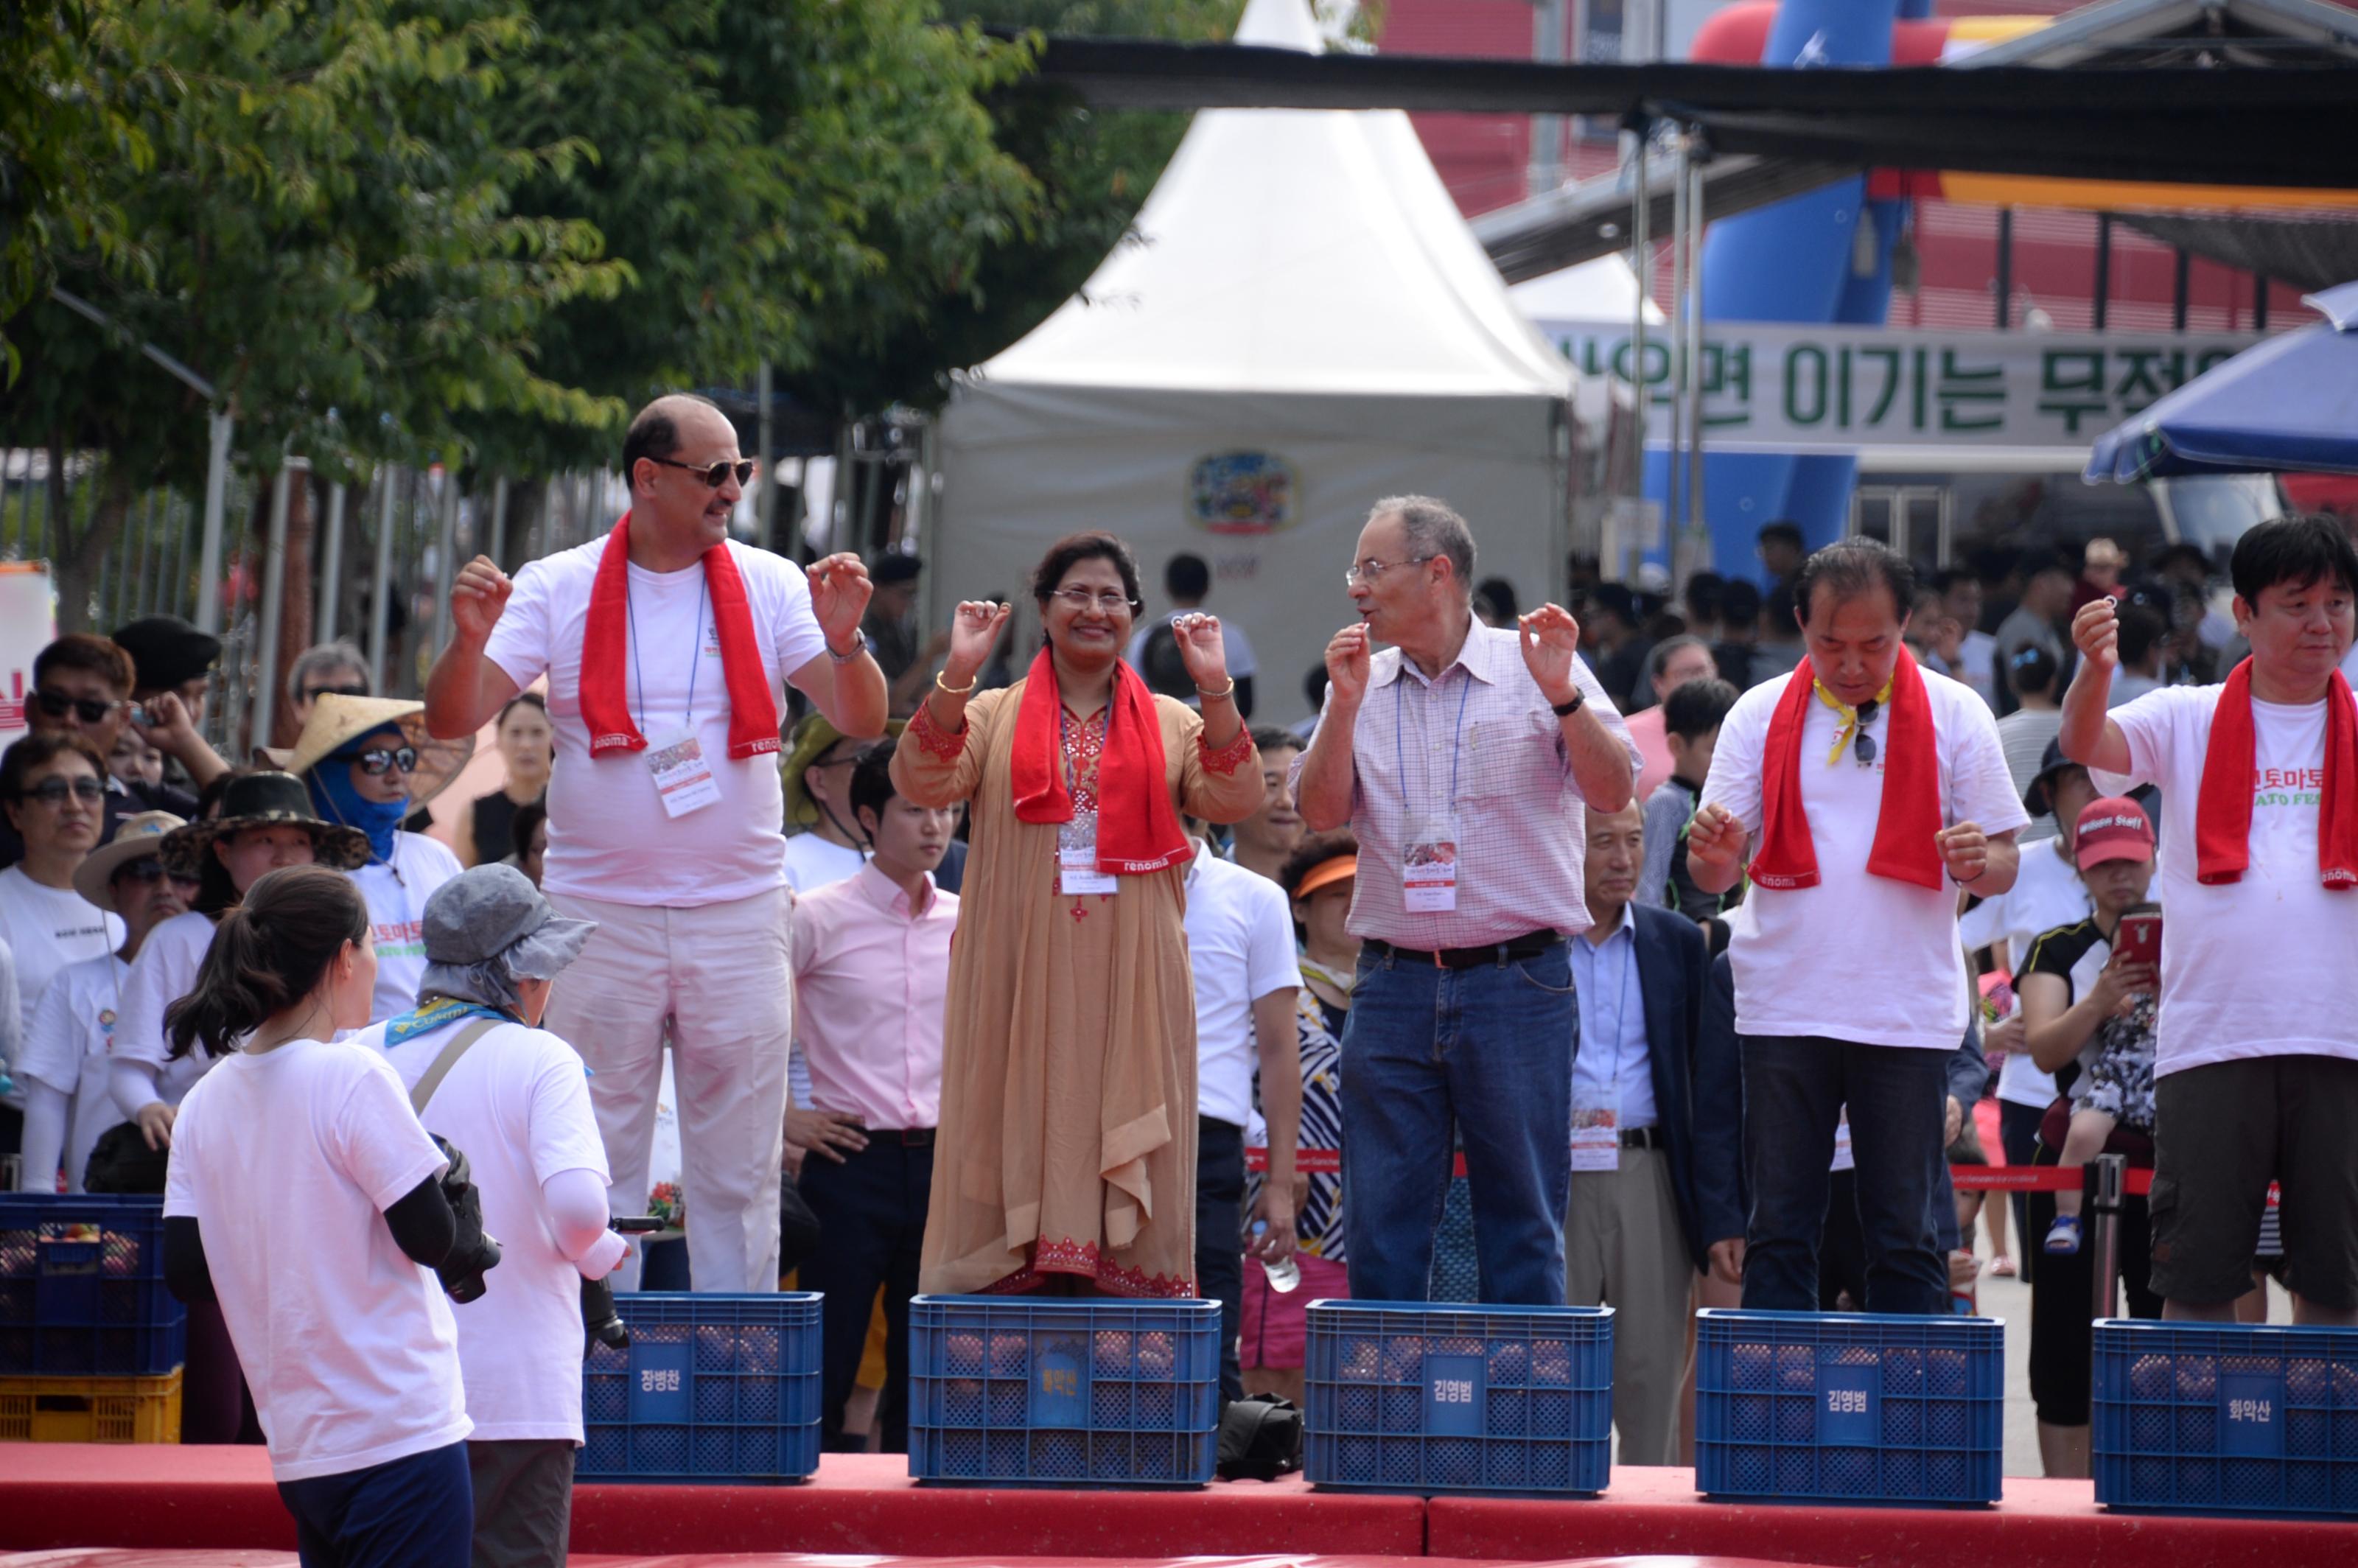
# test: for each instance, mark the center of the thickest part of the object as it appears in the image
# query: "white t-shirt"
(45, 929)
(2047, 893)
(165, 971)
(607, 836)
(1236, 648)
(287, 1161)
(518, 1105)
(1864, 958)
(2264, 966)
(1240, 942)
(396, 891)
(66, 1049)
(813, 862)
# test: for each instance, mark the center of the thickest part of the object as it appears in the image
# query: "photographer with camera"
(484, 1075)
(304, 1196)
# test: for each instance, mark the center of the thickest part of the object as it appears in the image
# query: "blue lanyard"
(1399, 722)
(695, 653)
(1620, 1007)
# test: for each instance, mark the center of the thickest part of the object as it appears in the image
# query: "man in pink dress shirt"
(872, 975)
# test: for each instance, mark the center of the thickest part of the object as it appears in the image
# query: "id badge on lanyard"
(1077, 857)
(1595, 1138)
(676, 760)
(1429, 864)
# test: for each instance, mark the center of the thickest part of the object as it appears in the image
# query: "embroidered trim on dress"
(1229, 758)
(931, 737)
(1082, 1257)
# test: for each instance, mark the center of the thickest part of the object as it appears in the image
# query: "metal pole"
(1641, 249)
(2108, 1175)
(1674, 476)
(2182, 284)
(170, 590)
(209, 558)
(446, 546)
(388, 478)
(2004, 266)
(765, 502)
(2100, 303)
(499, 540)
(1693, 307)
(331, 569)
(2259, 302)
(274, 588)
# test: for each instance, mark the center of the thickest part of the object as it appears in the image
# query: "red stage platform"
(55, 1496)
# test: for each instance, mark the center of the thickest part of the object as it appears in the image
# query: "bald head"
(673, 446)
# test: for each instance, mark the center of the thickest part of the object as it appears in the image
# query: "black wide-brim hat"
(266, 800)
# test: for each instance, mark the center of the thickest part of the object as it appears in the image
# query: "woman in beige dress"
(1065, 1157)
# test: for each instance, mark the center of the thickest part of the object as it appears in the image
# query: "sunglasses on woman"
(379, 759)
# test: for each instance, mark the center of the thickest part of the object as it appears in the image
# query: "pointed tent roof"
(1293, 251)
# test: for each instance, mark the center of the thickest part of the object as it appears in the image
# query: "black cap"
(895, 567)
(2038, 799)
(165, 651)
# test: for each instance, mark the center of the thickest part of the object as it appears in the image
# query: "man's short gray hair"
(1434, 531)
(324, 658)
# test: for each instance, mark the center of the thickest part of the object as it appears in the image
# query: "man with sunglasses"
(82, 687)
(668, 647)
(1860, 795)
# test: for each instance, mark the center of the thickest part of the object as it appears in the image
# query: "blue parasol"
(2288, 403)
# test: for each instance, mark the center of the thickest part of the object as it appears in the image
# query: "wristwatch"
(1566, 709)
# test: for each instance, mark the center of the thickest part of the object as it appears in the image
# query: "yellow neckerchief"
(1849, 714)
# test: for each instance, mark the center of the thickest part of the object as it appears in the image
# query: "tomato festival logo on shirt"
(1242, 493)
(2287, 786)
(401, 938)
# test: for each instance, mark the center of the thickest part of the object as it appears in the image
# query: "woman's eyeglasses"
(54, 792)
(379, 759)
(57, 705)
(1106, 600)
(717, 475)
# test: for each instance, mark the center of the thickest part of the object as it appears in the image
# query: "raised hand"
(974, 632)
(1550, 639)
(1965, 849)
(2096, 630)
(1346, 662)
(1201, 650)
(478, 595)
(839, 591)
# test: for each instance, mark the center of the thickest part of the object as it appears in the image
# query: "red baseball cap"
(2112, 827)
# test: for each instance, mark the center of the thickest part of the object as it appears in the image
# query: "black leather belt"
(908, 1136)
(1529, 945)
(1642, 1138)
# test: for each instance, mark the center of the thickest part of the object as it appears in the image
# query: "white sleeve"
(1735, 780)
(575, 1202)
(564, 1129)
(1271, 962)
(45, 1136)
(1988, 923)
(1981, 787)
(795, 628)
(376, 1138)
(2147, 724)
(135, 1084)
(51, 1052)
(180, 1187)
(153, 983)
(519, 642)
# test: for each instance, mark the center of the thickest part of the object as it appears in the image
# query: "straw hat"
(811, 739)
(134, 837)
(337, 720)
(267, 800)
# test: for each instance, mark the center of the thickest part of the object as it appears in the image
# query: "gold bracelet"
(966, 690)
(1228, 690)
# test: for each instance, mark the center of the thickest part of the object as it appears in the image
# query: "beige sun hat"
(134, 837)
(337, 720)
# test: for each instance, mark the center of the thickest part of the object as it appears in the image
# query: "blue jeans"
(1795, 1087)
(1488, 1052)
(417, 1512)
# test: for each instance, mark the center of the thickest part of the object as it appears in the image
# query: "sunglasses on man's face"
(717, 475)
(54, 792)
(57, 705)
(378, 760)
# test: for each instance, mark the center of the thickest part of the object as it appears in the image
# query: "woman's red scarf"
(605, 647)
(2223, 810)
(1137, 831)
(1907, 826)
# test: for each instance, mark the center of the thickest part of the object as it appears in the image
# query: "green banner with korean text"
(1770, 387)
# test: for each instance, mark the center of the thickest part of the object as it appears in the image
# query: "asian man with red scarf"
(2256, 1063)
(1869, 792)
(668, 647)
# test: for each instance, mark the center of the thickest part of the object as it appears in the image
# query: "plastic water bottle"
(1283, 1275)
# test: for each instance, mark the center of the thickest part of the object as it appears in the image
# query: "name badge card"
(1077, 857)
(1429, 865)
(683, 774)
(1595, 1138)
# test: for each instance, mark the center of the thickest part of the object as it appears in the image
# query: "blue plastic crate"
(2225, 1417)
(78, 1308)
(1418, 1397)
(713, 1388)
(1071, 1394)
(1849, 1407)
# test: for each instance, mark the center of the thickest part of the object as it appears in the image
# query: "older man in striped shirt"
(1462, 756)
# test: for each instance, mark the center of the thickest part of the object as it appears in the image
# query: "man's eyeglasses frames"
(716, 475)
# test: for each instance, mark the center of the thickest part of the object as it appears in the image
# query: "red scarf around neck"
(2223, 808)
(605, 650)
(1137, 831)
(1910, 821)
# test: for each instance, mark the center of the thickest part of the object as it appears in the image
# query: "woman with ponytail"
(307, 1200)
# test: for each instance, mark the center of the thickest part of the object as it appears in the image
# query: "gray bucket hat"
(488, 927)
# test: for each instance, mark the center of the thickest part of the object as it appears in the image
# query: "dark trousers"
(2017, 1133)
(417, 1512)
(523, 1501)
(1219, 1237)
(871, 1222)
(1795, 1087)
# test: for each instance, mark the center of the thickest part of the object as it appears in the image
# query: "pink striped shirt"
(872, 984)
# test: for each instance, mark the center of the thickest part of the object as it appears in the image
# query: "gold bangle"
(1228, 690)
(941, 685)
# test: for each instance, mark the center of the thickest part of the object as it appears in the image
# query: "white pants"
(719, 975)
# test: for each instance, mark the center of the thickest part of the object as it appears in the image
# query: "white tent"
(1302, 324)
